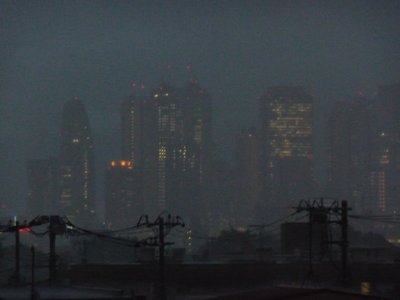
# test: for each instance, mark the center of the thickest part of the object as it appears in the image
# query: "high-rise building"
(139, 145)
(287, 140)
(43, 190)
(77, 177)
(349, 150)
(124, 198)
(197, 167)
(168, 139)
(385, 173)
(248, 175)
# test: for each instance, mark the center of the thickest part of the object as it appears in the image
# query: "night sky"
(51, 51)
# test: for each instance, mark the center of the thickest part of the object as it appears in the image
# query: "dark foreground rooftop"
(281, 293)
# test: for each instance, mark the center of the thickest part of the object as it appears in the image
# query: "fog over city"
(215, 117)
(53, 51)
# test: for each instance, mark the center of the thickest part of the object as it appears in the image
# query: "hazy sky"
(51, 51)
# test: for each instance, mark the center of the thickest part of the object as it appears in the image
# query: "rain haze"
(263, 135)
(52, 51)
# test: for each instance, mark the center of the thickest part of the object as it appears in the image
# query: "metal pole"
(344, 225)
(161, 261)
(33, 273)
(17, 254)
(52, 255)
(310, 243)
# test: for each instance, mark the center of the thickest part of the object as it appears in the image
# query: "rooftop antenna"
(137, 87)
(191, 76)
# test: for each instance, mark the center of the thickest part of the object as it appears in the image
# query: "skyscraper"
(287, 140)
(248, 174)
(349, 148)
(385, 173)
(168, 138)
(77, 178)
(124, 198)
(139, 145)
(42, 178)
(198, 164)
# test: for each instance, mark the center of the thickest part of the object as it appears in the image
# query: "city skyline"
(284, 141)
(97, 51)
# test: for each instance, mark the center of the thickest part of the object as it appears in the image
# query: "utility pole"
(325, 214)
(162, 224)
(162, 260)
(52, 254)
(56, 226)
(344, 242)
(33, 273)
(17, 254)
(310, 243)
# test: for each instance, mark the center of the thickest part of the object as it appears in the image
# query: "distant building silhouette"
(124, 198)
(139, 145)
(43, 188)
(349, 147)
(77, 177)
(248, 175)
(286, 115)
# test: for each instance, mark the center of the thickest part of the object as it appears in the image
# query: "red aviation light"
(25, 229)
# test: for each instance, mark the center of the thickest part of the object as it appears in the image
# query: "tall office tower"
(124, 199)
(385, 174)
(77, 181)
(42, 178)
(130, 128)
(248, 175)
(138, 145)
(287, 141)
(349, 145)
(197, 169)
(183, 139)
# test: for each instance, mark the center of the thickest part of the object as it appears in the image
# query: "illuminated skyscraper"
(385, 173)
(77, 181)
(287, 140)
(183, 139)
(124, 202)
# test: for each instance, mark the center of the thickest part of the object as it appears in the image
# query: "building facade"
(183, 139)
(349, 143)
(43, 187)
(168, 138)
(124, 198)
(385, 171)
(77, 177)
(286, 115)
(248, 175)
